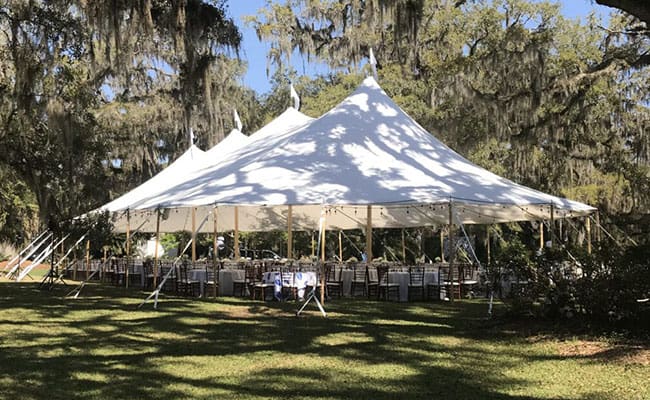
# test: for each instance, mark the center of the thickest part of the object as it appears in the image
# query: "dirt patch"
(25, 263)
(622, 353)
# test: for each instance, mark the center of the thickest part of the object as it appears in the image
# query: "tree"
(62, 61)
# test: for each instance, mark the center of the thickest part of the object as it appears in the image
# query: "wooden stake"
(155, 251)
(369, 233)
(290, 232)
(588, 226)
(236, 245)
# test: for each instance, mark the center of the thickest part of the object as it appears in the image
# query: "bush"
(604, 287)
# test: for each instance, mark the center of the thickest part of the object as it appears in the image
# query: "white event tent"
(364, 163)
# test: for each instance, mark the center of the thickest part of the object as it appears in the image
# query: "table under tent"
(364, 164)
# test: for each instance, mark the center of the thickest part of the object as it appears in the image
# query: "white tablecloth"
(226, 279)
(298, 280)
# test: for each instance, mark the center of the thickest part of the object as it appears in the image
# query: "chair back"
(416, 276)
(382, 275)
(360, 273)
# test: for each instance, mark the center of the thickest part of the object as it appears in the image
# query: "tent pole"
(155, 251)
(290, 232)
(322, 246)
(442, 244)
(403, 248)
(588, 226)
(236, 233)
(541, 234)
(551, 228)
(340, 247)
(193, 235)
(369, 234)
(488, 245)
(313, 250)
(128, 245)
(452, 250)
(215, 251)
(598, 226)
(87, 258)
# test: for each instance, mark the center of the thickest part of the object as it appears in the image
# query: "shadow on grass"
(102, 346)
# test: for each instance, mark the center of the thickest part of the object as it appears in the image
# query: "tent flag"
(295, 97)
(237, 120)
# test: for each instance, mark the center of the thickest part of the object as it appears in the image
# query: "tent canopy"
(364, 152)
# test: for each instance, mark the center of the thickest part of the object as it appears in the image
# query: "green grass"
(101, 347)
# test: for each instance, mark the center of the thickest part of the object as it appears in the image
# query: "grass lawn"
(101, 347)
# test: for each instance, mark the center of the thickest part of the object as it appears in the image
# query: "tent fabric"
(174, 172)
(364, 152)
(178, 171)
(180, 220)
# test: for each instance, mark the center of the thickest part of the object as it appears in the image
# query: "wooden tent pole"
(403, 248)
(452, 250)
(215, 252)
(313, 245)
(442, 244)
(598, 227)
(87, 259)
(340, 247)
(193, 235)
(290, 232)
(551, 229)
(322, 260)
(541, 234)
(236, 233)
(128, 246)
(488, 245)
(588, 226)
(369, 233)
(155, 251)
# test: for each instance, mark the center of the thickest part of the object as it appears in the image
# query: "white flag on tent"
(237, 120)
(295, 97)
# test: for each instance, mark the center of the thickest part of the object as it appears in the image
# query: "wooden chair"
(416, 282)
(449, 280)
(242, 286)
(211, 282)
(433, 287)
(259, 286)
(170, 284)
(384, 286)
(372, 281)
(185, 285)
(359, 280)
(333, 280)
